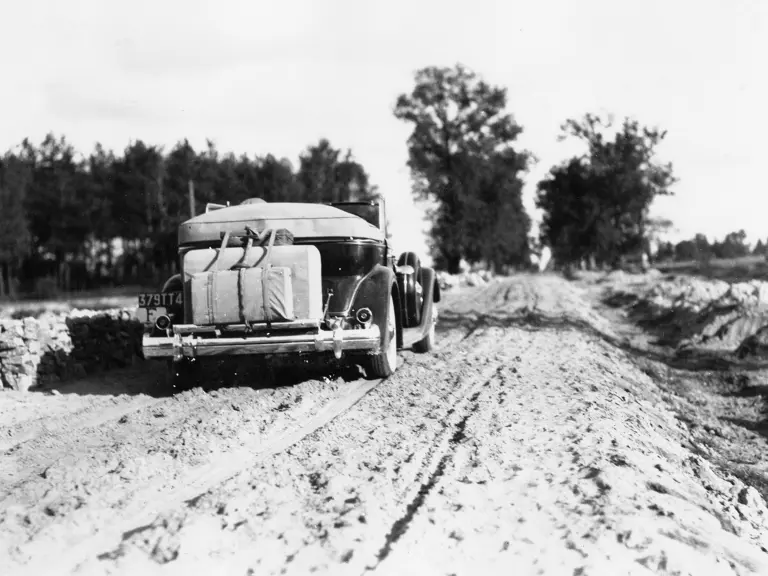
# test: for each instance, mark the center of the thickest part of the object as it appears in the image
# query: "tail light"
(364, 316)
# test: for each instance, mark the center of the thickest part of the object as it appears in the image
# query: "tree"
(665, 252)
(276, 181)
(327, 176)
(61, 213)
(14, 228)
(460, 147)
(495, 215)
(734, 245)
(58, 205)
(571, 223)
(702, 245)
(686, 251)
(759, 249)
(601, 200)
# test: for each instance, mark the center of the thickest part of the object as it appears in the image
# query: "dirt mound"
(691, 312)
(472, 279)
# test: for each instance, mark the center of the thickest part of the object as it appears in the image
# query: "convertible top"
(304, 220)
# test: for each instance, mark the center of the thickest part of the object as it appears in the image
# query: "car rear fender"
(173, 284)
(373, 292)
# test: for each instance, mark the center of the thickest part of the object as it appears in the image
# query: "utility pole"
(191, 199)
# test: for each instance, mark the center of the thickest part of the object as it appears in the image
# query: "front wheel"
(384, 363)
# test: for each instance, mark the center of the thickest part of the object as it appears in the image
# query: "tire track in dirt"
(193, 483)
(573, 478)
(92, 417)
(394, 446)
(87, 403)
(155, 499)
(30, 463)
(53, 520)
(555, 473)
(407, 398)
(320, 509)
(435, 465)
(455, 409)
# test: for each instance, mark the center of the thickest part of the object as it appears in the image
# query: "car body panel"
(357, 272)
(304, 220)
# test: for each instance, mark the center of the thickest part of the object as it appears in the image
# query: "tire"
(412, 296)
(427, 344)
(384, 363)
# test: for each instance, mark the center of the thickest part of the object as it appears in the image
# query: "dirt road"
(528, 443)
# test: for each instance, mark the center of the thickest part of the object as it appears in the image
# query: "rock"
(24, 382)
(755, 345)
(35, 351)
(708, 477)
(751, 498)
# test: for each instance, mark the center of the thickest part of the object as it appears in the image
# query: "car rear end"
(254, 298)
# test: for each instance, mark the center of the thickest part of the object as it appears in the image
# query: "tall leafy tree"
(460, 148)
(601, 201)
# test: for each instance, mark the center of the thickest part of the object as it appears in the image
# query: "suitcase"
(302, 260)
(245, 293)
(242, 296)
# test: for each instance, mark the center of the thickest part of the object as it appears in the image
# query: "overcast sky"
(261, 77)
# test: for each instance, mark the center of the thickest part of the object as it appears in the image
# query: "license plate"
(164, 300)
(151, 314)
(155, 305)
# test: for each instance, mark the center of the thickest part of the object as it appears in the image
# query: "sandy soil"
(540, 438)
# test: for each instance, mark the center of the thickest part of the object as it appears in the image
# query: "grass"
(728, 269)
(101, 299)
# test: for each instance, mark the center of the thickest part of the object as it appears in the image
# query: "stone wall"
(60, 347)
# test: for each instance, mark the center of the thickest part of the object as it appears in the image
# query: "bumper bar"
(181, 346)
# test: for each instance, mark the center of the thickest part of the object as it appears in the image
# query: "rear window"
(366, 211)
(349, 258)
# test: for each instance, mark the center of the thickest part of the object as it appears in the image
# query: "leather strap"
(211, 279)
(242, 267)
(265, 275)
(215, 264)
(209, 282)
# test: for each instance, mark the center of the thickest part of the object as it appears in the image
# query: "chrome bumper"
(187, 343)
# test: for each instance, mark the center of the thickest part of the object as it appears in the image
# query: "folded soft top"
(304, 220)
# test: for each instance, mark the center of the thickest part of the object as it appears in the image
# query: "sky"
(262, 77)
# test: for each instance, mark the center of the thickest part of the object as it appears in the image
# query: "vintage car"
(288, 281)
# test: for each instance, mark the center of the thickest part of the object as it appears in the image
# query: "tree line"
(61, 213)
(699, 248)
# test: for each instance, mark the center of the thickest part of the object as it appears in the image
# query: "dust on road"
(530, 442)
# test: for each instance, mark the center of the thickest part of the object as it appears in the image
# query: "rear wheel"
(427, 344)
(411, 289)
(384, 363)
